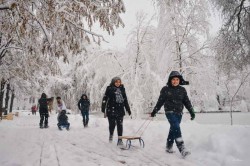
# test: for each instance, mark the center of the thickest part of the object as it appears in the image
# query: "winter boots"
(110, 138)
(185, 153)
(119, 142)
(180, 144)
(169, 149)
(85, 122)
(45, 126)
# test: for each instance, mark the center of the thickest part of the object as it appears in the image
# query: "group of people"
(173, 96)
(62, 118)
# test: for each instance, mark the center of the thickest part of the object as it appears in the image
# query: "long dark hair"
(43, 95)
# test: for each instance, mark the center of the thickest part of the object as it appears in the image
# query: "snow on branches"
(57, 27)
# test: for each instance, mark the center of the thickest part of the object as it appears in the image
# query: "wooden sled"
(129, 139)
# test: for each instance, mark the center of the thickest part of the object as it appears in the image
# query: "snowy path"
(23, 143)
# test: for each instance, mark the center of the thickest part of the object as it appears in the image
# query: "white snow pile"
(22, 143)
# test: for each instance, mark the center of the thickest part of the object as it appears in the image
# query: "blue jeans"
(174, 120)
(85, 116)
(66, 125)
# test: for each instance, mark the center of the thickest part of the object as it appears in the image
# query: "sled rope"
(144, 126)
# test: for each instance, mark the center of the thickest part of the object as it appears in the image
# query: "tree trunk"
(7, 98)
(1, 95)
(231, 111)
(178, 49)
(12, 100)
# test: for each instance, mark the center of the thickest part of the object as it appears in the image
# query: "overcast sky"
(119, 40)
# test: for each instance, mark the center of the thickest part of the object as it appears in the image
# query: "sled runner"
(139, 132)
(129, 139)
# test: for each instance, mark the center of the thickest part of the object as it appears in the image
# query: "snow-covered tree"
(183, 34)
(58, 27)
(234, 39)
(232, 49)
(183, 29)
(44, 30)
(142, 80)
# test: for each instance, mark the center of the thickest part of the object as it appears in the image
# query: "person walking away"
(84, 105)
(63, 120)
(43, 110)
(174, 97)
(113, 103)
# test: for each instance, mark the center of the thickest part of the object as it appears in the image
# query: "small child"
(63, 120)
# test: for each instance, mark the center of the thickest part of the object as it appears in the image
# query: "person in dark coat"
(43, 110)
(174, 97)
(84, 105)
(113, 103)
(63, 120)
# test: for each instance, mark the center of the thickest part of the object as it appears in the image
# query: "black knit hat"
(177, 74)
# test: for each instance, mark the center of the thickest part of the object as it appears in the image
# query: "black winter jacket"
(43, 105)
(173, 99)
(63, 118)
(110, 104)
(84, 104)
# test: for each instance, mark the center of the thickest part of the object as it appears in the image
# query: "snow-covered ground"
(210, 138)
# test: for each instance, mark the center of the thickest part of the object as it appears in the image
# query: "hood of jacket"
(176, 74)
(85, 96)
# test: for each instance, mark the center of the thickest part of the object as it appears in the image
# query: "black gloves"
(153, 113)
(192, 113)
(129, 112)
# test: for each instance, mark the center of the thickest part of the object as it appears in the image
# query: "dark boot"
(87, 122)
(169, 149)
(84, 122)
(180, 145)
(67, 128)
(119, 142)
(110, 138)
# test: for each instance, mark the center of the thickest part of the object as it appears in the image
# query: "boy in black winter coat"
(83, 105)
(174, 97)
(114, 101)
(63, 120)
(43, 110)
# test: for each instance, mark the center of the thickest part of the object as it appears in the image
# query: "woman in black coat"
(174, 97)
(113, 103)
(43, 110)
(84, 105)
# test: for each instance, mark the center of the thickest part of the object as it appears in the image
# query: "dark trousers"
(85, 117)
(174, 134)
(44, 118)
(113, 121)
